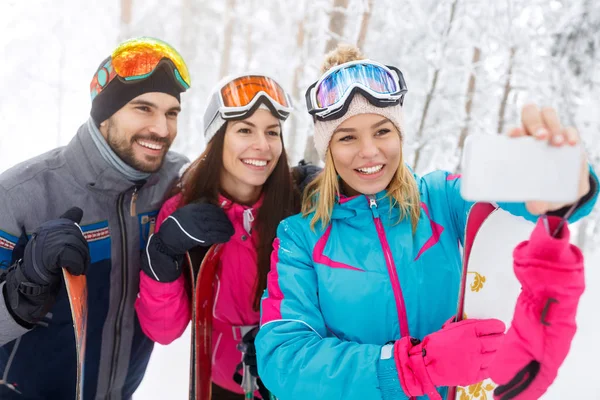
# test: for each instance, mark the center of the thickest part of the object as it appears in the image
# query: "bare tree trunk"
(126, 11)
(187, 27)
(569, 98)
(469, 103)
(61, 89)
(419, 135)
(227, 38)
(296, 95)
(507, 89)
(364, 25)
(189, 35)
(249, 29)
(431, 91)
(337, 22)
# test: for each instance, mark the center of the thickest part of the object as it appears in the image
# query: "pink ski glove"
(551, 274)
(457, 355)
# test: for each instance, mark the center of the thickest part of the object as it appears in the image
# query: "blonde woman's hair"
(320, 195)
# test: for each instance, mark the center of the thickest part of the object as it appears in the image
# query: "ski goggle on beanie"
(382, 85)
(237, 98)
(135, 60)
(353, 88)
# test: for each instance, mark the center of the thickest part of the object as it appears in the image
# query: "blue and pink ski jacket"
(338, 294)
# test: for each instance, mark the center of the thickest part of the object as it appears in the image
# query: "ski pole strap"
(564, 220)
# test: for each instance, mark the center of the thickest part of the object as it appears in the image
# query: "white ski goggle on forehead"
(240, 97)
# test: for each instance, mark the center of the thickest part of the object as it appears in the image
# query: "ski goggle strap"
(137, 59)
(383, 85)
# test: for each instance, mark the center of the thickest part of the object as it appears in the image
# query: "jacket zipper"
(391, 267)
(134, 195)
(248, 219)
(124, 282)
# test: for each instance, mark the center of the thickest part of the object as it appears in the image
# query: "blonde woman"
(364, 283)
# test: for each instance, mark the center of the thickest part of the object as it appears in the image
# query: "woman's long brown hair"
(201, 181)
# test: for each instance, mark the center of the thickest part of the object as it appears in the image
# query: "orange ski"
(77, 292)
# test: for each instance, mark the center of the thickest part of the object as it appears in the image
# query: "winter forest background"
(470, 65)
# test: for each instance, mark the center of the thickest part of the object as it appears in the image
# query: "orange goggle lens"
(137, 59)
(241, 91)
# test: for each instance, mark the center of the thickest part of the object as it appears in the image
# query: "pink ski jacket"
(164, 309)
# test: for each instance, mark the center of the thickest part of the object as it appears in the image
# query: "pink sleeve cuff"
(163, 308)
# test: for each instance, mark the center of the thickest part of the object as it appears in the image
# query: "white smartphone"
(500, 168)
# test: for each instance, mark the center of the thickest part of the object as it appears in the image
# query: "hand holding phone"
(544, 125)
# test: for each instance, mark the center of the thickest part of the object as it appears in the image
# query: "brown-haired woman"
(235, 193)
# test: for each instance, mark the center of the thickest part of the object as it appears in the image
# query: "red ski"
(77, 292)
(202, 291)
(478, 214)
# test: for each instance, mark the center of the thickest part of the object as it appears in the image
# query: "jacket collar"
(238, 212)
(91, 171)
(348, 207)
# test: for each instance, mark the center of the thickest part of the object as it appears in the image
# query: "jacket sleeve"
(551, 274)
(459, 208)
(163, 308)
(10, 229)
(297, 357)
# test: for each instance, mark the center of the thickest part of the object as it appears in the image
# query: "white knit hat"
(359, 105)
(213, 128)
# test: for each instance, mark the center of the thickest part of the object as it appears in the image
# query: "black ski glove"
(190, 226)
(33, 282)
(250, 351)
(304, 173)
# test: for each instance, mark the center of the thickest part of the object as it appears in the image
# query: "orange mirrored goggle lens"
(241, 91)
(137, 59)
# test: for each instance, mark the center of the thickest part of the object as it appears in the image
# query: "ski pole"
(248, 383)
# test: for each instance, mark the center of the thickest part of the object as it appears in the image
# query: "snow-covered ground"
(580, 369)
(167, 375)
